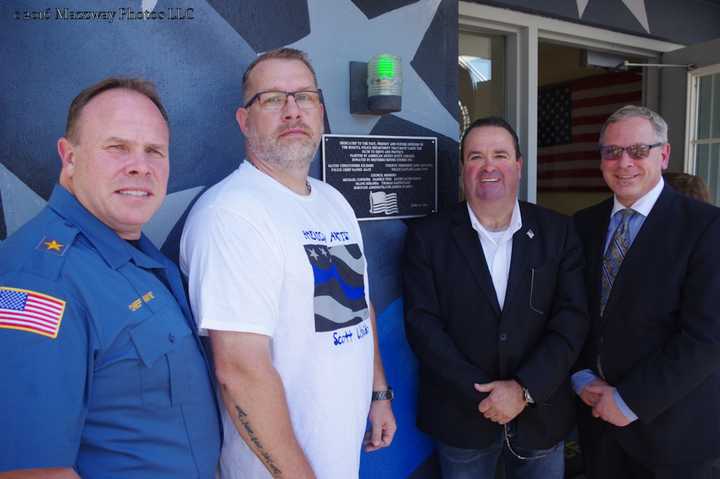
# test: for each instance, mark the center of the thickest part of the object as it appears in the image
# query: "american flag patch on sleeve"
(30, 311)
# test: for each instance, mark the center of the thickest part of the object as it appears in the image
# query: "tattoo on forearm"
(265, 456)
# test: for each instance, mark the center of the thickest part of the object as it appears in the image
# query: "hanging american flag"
(30, 311)
(570, 116)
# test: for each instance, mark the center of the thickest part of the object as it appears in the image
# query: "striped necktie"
(614, 255)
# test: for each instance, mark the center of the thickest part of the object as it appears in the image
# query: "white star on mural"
(357, 38)
(149, 5)
(162, 222)
(21, 203)
(582, 5)
(636, 7)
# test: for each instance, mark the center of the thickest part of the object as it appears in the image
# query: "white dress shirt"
(497, 247)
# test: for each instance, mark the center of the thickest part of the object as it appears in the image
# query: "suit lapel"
(652, 227)
(595, 254)
(467, 241)
(645, 241)
(522, 244)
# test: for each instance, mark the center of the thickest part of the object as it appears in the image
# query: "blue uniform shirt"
(100, 363)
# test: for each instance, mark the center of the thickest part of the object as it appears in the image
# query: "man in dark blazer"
(496, 313)
(650, 387)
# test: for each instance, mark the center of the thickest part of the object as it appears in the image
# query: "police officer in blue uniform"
(103, 374)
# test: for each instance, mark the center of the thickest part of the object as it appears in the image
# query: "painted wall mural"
(686, 22)
(196, 52)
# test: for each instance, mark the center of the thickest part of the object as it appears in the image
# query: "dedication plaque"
(383, 177)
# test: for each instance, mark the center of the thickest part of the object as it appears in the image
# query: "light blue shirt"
(642, 207)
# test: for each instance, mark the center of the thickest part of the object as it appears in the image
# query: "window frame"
(692, 118)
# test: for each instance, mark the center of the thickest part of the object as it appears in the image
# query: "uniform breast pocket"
(156, 340)
(542, 286)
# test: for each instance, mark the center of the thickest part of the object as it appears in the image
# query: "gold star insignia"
(53, 245)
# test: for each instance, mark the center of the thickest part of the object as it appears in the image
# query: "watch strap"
(387, 395)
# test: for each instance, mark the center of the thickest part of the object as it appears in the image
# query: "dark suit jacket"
(454, 324)
(659, 339)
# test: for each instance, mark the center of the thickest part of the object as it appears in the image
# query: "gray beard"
(292, 156)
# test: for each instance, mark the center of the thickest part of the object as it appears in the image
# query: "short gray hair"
(278, 54)
(633, 111)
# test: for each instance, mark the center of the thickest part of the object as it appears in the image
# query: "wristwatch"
(387, 395)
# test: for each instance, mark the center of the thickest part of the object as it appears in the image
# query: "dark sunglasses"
(638, 151)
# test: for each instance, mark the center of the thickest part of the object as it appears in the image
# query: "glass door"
(481, 77)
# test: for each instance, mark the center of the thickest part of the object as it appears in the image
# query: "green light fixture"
(384, 83)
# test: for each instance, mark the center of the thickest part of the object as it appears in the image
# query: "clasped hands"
(600, 396)
(504, 402)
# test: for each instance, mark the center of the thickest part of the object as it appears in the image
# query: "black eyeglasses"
(275, 100)
(638, 151)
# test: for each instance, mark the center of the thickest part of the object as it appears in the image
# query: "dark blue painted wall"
(685, 22)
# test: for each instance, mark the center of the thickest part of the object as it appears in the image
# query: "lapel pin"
(530, 234)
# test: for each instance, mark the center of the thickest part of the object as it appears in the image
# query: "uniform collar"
(114, 250)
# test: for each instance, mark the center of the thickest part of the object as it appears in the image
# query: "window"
(704, 128)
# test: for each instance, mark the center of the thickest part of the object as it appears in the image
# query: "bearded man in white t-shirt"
(277, 276)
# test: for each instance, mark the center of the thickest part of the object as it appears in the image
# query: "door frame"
(523, 32)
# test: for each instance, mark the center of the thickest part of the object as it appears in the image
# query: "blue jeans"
(457, 463)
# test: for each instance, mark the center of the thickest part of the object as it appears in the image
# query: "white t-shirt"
(263, 259)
